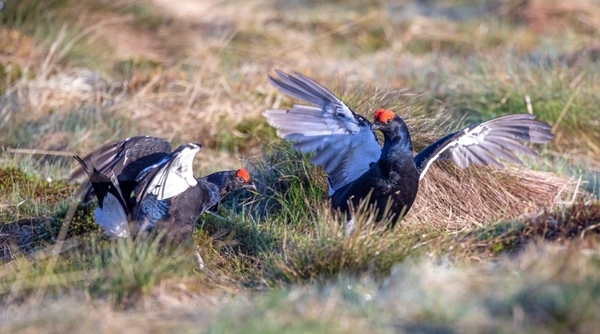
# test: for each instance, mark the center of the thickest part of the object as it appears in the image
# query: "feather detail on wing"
(112, 218)
(115, 155)
(342, 140)
(102, 183)
(169, 177)
(484, 143)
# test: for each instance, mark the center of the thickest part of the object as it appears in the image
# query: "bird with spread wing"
(344, 144)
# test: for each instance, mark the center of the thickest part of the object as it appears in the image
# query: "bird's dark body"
(129, 172)
(180, 213)
(389, 183)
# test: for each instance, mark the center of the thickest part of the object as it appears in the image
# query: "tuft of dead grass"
(451, 199)
(554, 17)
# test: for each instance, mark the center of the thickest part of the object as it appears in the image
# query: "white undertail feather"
(112, 218)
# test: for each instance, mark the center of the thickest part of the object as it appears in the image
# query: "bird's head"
(383, 116)
(230, 180)
(242, 180)
(392, 126)
(387, 122)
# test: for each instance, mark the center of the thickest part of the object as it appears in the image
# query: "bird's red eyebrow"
(383, 115)
(243, 174)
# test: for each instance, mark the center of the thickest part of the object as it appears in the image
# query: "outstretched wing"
(484, 143)
(342, 140)
(116, 155)
(125, 158)
(169, 177)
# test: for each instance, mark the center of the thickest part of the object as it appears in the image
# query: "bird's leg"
(349, 227)
(199, 259)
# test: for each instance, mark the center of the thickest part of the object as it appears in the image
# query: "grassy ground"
(482, 249)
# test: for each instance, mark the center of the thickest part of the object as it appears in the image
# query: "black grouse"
(163, 196)
(345, 145)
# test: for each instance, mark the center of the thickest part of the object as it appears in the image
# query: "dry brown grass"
(212, 59)
(18, 49)
(451, 199)
(554, 17)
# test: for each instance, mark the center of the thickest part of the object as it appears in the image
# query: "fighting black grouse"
(162, 196)
(345, 145)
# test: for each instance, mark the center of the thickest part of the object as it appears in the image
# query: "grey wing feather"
(169, 177)
(342, 140)
(113, 157)
(484, 143)
(144, 181)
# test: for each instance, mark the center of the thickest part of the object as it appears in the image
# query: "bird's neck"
(219, 179)
(396, 154)
(397, 145)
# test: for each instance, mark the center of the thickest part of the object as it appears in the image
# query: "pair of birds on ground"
(142, 185)
(165, 193)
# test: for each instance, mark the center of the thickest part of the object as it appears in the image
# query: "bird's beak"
(376, 126)
(250, 186)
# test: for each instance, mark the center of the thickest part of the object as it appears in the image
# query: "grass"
(34, 195)
(482, 250)
(539, 290)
